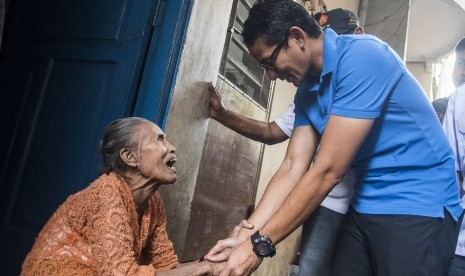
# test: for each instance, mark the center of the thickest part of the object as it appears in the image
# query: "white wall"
(423, 75)
(187, 119)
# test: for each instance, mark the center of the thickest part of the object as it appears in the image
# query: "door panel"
(16, 78)
(53, 133)
(73, 18)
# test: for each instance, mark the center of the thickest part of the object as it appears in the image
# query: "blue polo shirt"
(405, 165)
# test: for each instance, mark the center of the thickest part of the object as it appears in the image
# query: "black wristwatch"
(262, 245)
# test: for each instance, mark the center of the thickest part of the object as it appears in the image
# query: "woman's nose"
(171, 148)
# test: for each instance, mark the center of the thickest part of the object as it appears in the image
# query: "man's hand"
(216, 103)
(245, 224)
(220, 252)
(242, 261)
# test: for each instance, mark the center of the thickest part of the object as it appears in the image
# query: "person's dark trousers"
(319, 239)
(395, 245)
(457, 266)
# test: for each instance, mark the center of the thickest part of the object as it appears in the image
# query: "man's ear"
(128, 157)
(298, 34)
(359, 30)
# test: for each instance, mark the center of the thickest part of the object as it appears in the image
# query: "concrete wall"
(388, 20)
(187, 118)
(351, 5)
(424, 76)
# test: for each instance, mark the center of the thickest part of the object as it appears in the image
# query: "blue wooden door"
(67, 68)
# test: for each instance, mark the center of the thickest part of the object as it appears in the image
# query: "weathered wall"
(351, 5)
(388, 20)
(272, 157)
(187, 118)
(228, 176)
(424, 76)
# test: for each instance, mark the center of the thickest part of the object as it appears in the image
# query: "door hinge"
(159, 16)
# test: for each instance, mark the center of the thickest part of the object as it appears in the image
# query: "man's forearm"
(299, 155)
(334, 157)
(306, 196)
(274, 195)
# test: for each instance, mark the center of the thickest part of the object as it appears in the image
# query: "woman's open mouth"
(171, 162)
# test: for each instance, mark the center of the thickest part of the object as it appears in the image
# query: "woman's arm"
(194, 269)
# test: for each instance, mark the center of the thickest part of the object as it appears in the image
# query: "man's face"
(458, 76)
(286, 63)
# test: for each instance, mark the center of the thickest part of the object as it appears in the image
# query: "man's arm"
(299, 154)
(268, 133)
(334, 158)
(339, 144)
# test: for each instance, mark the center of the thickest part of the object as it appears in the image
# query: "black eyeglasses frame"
(269, 63)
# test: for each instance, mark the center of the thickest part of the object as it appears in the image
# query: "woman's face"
(156, 155)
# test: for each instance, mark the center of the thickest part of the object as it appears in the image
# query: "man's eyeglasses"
(269, 63)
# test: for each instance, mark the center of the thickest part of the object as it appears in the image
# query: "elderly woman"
(117, 225)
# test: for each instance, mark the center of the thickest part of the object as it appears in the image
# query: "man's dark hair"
(272, 20)
(460, 46)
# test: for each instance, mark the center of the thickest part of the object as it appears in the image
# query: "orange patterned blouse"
(96, 232)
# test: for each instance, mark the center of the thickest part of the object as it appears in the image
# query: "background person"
(440, 107)
(362, 115)
(321, 229)
(454, 126)
(117, 225)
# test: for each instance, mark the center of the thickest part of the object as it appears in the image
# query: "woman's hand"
(243, 261)
(216, 268)
(220, 252)
(194, 268)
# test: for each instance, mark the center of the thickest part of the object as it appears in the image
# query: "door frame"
(156, 86)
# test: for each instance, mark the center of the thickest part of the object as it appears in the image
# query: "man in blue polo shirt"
(359, 103)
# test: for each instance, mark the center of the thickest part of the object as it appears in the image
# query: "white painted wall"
(188, 116)
(423, 75)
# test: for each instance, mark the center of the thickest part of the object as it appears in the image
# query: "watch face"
(263, 248)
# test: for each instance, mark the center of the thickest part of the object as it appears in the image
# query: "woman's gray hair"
(118, 135)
